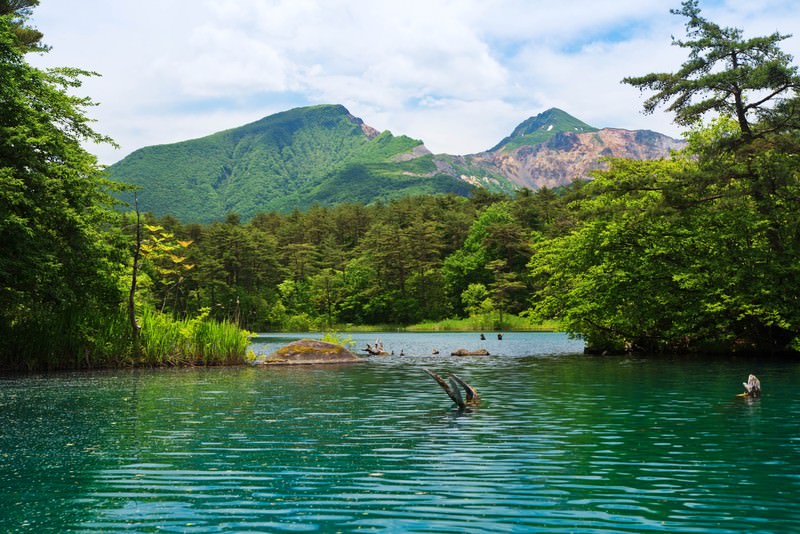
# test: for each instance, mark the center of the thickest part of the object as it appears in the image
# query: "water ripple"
(559, 444)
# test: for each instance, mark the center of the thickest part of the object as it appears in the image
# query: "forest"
(411, 260)
(697, 252)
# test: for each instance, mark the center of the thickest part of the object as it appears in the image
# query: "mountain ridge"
(324, 154)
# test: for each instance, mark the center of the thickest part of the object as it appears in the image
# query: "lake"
(562, 442)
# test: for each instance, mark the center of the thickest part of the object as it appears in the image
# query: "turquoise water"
(561, 442)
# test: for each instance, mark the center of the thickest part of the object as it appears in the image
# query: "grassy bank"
(476, 323)
(470, 324)
(198, 341)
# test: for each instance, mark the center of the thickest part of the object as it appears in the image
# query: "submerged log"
(465, 352)
(471, 392)
(752, 386)
(451, 387)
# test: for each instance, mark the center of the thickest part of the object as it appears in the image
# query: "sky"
(457, 74)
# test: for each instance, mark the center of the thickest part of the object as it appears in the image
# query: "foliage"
(28, 39)
(59, 256)
(63, 255)
(485, 322)
(338, 339)
(724, 73)
(162, 254)
(348, 264)
(495, 236)
(699, 251)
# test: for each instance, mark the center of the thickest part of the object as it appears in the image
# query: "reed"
(77, 339)
(199, 341)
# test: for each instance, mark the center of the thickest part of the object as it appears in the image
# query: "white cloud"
(459, 74)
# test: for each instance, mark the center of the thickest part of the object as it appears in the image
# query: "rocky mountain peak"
(368, 130)
(541, 128)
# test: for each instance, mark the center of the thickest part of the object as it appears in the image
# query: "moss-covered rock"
(310, 351)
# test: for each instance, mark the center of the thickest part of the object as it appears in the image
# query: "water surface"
(561, 442)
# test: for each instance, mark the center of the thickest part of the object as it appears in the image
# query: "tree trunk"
(132, 295)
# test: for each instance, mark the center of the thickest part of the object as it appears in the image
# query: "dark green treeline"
(415, 259)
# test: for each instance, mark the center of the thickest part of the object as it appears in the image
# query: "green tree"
(237, 272)
(18, 12)
(494, 235)
(725, 73)
(166, 256)
(611, 279)
(661, 263)
(327, 293)
(59, 263)
(474, 298)
(700, 250)
(504, 288)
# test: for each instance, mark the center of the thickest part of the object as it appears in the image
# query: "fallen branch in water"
(451, 387)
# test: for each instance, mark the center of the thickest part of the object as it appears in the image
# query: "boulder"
(310, 352)
(465, 352)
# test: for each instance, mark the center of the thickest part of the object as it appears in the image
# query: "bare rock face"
(564, 158)
(571, 156)
(310, 352)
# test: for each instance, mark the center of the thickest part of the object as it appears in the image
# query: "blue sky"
(458, 74)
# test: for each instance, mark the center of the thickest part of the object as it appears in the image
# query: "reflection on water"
(561, 442)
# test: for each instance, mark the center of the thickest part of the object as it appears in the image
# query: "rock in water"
(311, 352)
(465, 352)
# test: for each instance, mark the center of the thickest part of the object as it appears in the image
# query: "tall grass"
(197, 341)
(81, 339)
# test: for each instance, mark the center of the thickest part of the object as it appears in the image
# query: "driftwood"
(453, 386)
(752, 386)
(376, 349)
(465, 352)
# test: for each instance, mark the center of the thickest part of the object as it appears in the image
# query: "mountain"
(324, 154)
(281, 162)
(541, 128)
(553, 149)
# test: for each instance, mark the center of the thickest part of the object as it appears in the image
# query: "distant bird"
(435, 351)
(752, 386)
(483, 338)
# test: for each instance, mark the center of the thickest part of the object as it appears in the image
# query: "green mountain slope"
(284, 161)
(541, 128)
